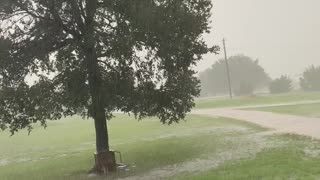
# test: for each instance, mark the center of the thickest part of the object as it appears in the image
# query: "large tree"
(246, 75)
(134, 56)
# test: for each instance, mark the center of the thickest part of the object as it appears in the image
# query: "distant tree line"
(310, 81)
(247, 76)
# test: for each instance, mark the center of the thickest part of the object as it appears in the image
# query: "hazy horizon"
(283, 34)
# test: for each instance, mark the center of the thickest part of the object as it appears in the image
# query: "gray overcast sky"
(283, 34)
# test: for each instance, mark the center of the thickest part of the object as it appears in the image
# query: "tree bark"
(97, 106)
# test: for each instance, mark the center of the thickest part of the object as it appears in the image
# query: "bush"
(280, 85)
(311, 79)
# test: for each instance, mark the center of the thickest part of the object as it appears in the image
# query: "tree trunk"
(100, 123)
(104, 159)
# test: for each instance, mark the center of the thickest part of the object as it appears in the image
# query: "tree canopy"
(144, 51)
(246, 75)
(311, 79)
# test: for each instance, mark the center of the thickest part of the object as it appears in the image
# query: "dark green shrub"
(280, 85)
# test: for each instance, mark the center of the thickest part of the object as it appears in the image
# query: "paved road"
(278, 122)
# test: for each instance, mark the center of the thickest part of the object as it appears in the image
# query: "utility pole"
(227, 67)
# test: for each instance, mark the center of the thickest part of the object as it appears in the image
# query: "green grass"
(308, 110)
(259, 100)
(65, 149)
(298, 158)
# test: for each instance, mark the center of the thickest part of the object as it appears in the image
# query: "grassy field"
(65, 149)
(297, 158)
(199, 148)
(309, 110)
(259, 100)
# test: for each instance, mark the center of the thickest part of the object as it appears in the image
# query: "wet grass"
(298, 158)
(259, 100)
(308, 110)
(65, 149)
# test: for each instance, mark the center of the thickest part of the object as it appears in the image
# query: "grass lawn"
(65, 149)
(298, 158)
(259, 100)
(236, 149)
(309, 110)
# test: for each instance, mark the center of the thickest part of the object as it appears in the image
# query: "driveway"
(278, 122)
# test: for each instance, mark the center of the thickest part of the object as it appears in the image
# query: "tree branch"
(108, 65)
(26, 10)
(58, 19)
(83, 13)
(61, 45)
(77, 15)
